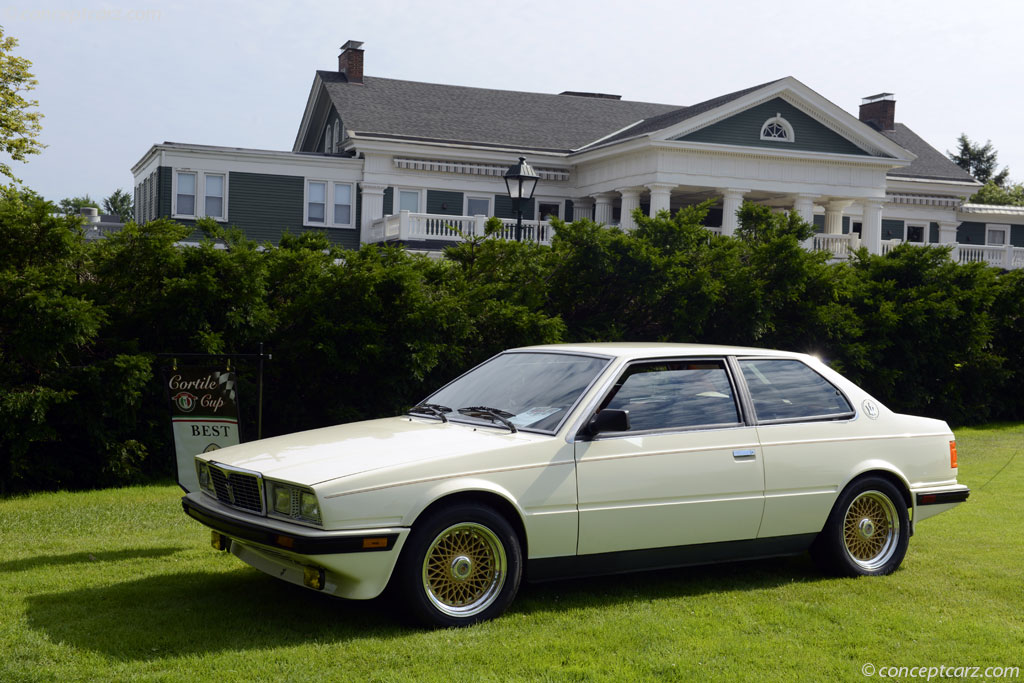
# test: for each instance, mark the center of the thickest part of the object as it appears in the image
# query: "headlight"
(203, 472)
(293, 502)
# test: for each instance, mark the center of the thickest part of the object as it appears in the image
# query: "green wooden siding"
(444, 203)
(744, 129)
(970, 232)
(163, 206)
(892, 230)
(504, 207)
(819, 223)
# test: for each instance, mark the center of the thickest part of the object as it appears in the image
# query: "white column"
(947, 232)
(373, 208)
(630, 202)
(871, 225)
(582, 208)
(661, 198)
(731, 201)
(804, 206)
(947, 235)
(834, 216)
(603, 208)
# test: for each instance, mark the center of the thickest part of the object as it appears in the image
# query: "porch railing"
(1008, 256)
(421, 227)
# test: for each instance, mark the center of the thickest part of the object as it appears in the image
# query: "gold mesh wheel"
(871, 530)
(464, 569)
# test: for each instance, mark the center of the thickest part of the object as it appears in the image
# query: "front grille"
(243, 490)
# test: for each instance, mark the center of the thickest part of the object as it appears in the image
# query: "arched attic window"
(334, 147)
(327, 139)
(777, 129)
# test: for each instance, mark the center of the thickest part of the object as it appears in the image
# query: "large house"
(385, 160)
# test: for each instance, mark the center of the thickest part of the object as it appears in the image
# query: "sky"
(118, 77)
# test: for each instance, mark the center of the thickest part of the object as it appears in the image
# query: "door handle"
(744, 454)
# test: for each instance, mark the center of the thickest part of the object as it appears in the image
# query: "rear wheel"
(461, 565)
(867, 531)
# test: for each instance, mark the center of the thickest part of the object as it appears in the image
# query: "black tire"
(460, 565)
(867, 531)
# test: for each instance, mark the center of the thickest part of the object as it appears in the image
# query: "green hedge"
(359, 334)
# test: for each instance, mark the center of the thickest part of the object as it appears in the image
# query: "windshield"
(533, 391)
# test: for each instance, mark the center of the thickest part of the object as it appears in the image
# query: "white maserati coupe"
(583, 459)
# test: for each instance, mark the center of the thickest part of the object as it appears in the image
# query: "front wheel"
(461, 565)
(867, 531)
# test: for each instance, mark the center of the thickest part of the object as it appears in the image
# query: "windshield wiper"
(493, 413)
(432, 409)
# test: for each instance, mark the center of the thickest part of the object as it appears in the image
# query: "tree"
(979, 160)
(70, 206)
(19, 126)
(120, 204)
(1008, 195)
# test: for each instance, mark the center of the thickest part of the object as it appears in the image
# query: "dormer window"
(327, 139)
(777, 129)
(334, 144)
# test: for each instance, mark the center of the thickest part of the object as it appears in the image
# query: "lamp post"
(521, 181)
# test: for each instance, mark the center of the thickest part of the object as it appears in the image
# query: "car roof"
(631, 350)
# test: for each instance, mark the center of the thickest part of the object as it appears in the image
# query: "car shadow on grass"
(195, 613)
(68, 559)
(201, 612)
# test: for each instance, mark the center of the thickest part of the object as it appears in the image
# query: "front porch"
(436, 230)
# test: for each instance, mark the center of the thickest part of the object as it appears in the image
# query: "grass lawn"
(121, 585)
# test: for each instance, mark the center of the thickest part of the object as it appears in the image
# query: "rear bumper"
(357, 564)
(929, 502)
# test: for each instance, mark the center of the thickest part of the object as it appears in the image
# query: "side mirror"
(607, 421)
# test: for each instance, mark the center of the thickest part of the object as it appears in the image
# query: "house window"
(327, 139)
(547, 210)
(996, 235)
(777, 129)
(915, 233)
(409, 200)
(186, 195)
(478, 206)
(334, 147)
(342, 205)
(214, 192)
(329, 204)
(316, 203)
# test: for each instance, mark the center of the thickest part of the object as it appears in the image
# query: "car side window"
(787, 389)
(677, 394)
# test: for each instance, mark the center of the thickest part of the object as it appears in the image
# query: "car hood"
(332, 452)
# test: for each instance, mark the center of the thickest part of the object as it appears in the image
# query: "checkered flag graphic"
(227, 384)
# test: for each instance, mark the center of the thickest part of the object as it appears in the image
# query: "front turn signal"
(952, 454)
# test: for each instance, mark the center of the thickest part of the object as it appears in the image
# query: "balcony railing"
(410, 228)
(422, 227)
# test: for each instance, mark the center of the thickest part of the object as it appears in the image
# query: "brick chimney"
(350, 61)
(879, 111)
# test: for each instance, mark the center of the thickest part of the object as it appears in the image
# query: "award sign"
(204, 415)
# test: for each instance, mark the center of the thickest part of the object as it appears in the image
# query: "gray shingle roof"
(671, 118)
(930, 162)
(521, 120)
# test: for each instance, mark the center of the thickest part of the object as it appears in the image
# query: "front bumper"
(357, 564)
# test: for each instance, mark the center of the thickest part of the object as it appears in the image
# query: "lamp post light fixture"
(521, 181)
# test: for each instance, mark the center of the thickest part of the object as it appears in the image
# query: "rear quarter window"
(784, 389)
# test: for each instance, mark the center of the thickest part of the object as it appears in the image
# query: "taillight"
(952, 454)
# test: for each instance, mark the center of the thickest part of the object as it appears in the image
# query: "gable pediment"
(803, 133)
(814, 124)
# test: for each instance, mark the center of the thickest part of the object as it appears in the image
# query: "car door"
(809, 441)
(687, 471)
